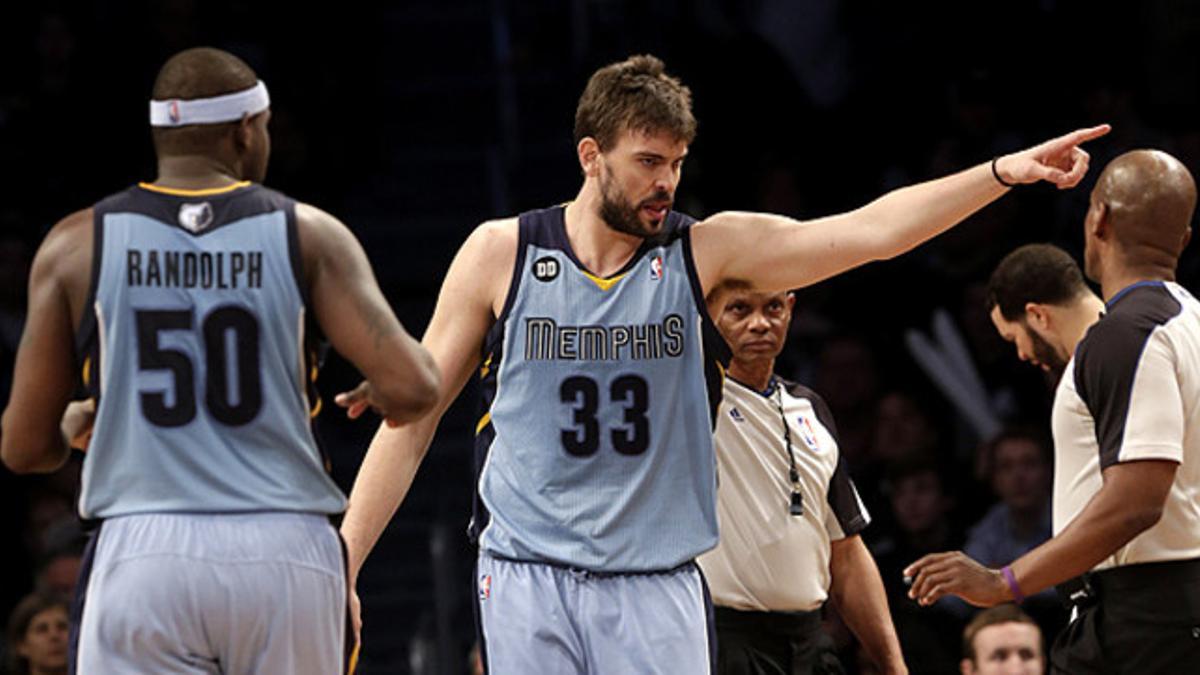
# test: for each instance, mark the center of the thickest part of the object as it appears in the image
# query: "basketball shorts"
(213, 593)
(541, 618)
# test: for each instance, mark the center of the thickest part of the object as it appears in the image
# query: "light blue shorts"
(541, 618)
(219, 593)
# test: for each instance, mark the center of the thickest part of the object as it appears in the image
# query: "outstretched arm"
(351, 310)
(1130, 502)
(776, 253)
(857, 591)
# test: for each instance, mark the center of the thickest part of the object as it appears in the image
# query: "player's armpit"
(354, 315)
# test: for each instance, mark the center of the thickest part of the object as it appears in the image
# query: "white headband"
(224, 108)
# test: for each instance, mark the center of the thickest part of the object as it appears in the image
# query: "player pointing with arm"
(601, 367)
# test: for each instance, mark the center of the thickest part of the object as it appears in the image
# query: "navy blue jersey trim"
(295, 255)
(1108, 358)
(526, 234)
(717, 353)
(80, 599)
(86, 331)
(228, 207)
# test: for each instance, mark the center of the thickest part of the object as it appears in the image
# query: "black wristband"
(997, 175)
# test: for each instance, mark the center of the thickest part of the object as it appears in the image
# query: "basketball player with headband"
(190, 306)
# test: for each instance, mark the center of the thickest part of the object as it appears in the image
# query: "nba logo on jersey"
(807, 433)
(195, 217)
(485, 587)
(656, 268)
(736, 415)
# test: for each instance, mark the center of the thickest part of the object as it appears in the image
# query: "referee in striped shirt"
(789, 513)
(1126, 421)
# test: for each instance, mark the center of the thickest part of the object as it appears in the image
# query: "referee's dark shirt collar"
(1124, 291)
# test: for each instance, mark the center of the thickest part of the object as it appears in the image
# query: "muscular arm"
(776, 253)
(1130, 502)
(358, 321)
(32, 439)
(477, 280)
(857, 591)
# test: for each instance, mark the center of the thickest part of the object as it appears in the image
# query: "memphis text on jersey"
(191, 269)
(545, 340)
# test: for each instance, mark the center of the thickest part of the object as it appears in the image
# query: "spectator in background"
(921, 505)
(1019, 468)
(1003, 640)
(37, 635)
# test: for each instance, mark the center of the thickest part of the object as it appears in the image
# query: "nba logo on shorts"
(656, 270)
(485, 587)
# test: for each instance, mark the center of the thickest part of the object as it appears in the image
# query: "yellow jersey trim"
(180, 192)
(483, 422)
(602, 283)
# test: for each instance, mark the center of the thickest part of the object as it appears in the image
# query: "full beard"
(1047, 356)
(623, 217)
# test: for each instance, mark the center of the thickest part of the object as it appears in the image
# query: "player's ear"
(242, 133)
(589, 156)
(1037, 315)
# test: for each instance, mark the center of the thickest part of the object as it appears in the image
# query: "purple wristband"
(1011, 580)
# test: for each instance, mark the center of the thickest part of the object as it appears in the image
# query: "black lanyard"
(796, 506)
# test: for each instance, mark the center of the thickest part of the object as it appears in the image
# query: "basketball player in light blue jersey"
(600, 367)
(190, 305)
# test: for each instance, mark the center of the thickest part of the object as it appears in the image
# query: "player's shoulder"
(491, 241)
(67, 233)
(67, 247)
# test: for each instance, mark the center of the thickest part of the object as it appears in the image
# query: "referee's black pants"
(773, 643)
(1141, 619)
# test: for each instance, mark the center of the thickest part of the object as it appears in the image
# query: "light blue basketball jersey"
(595, 446)
(195, 347)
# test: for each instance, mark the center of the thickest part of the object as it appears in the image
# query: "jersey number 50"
(216, 327)
(583, 394)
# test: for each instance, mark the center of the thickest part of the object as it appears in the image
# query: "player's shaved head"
(201, 72)
(1148, 198)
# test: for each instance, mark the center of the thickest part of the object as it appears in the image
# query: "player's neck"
(194, 172)
(601, 249)
(1079, 319)
(754, 373)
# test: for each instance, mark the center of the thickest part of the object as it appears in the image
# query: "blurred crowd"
(945, 433)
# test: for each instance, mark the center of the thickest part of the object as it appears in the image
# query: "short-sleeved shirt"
(768, 559)
(1132, 392)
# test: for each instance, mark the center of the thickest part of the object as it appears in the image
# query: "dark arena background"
(415, 121)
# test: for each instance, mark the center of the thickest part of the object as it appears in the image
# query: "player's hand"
(940, 574)
(1059, 160)
(77, 421)
(357, 400)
